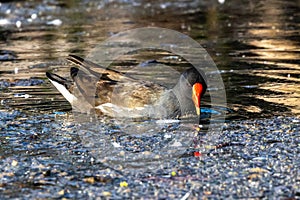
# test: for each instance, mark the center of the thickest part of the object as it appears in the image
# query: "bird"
(118, 94)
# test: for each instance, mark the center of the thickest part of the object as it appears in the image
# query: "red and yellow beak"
(196, 96)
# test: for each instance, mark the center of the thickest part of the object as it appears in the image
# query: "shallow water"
(255, 45)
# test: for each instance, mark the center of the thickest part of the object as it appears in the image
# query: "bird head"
(195, 84)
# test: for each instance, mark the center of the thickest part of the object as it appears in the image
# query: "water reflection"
(273, 35)
(255, 45)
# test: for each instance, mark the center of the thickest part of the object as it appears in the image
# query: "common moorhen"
(118, 94)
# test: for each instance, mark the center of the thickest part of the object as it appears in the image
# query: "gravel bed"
(42, 157)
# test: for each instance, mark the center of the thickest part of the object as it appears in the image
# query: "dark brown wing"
(96, 70)
(110, 86)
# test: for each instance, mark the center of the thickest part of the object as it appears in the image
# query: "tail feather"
(87, 65)
(60, 80)
(85, 77)
(98, 71)
(62, 85)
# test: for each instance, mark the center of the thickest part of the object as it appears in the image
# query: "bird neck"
(184, 97)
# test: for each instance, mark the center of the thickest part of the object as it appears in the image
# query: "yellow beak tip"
(198, 111)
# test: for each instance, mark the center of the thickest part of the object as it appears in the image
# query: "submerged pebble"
(21, 82)
(6, 55)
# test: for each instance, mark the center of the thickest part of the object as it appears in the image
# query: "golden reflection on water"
(267, 27)
(290, 95)
(278, 53)
(272, 51)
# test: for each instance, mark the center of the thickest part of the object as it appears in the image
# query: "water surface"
(255, 47)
